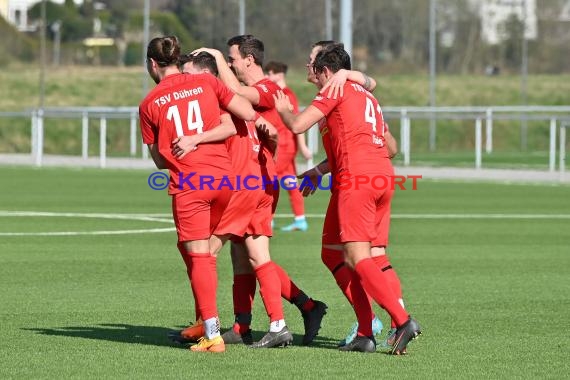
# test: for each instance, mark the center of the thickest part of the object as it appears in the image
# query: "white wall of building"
(494, 13)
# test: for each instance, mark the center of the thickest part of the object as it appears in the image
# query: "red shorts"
(198, 212)
(285, 164)
(249, 213)
(361, 215)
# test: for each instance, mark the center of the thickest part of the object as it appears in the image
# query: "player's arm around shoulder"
(300, 122)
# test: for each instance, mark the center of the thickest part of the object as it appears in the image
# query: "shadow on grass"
(149, 335)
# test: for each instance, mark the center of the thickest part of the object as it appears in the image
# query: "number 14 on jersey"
(193, 122)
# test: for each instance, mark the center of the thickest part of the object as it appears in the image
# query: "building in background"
(495, 13)
(16, 12)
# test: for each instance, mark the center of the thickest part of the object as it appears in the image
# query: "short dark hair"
(326, 43)
(334, 57)
(249, 45)
(164, 50)
(276, 67)
(202, 60)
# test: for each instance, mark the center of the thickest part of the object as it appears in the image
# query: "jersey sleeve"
(324, 104)
(265, 96)
(148, 129)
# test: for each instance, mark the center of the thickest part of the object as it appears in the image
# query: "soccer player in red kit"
(356, 129)
(245, 58)
(331, 250)
(289, 144)
(248, 213)
(182, 105)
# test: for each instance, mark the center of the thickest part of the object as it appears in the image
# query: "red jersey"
(184, 105)
(266, 108)
(355, 127)
(292, 98)
(244, 148)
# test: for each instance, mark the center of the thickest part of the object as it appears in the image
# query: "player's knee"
(332, 259)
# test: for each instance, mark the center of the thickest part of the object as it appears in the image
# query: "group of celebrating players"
(234, 121)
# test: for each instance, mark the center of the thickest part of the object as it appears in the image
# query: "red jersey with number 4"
(185, 105)
(355, 128)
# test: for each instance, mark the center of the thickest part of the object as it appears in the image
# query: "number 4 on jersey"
(194, 121)
(370, 115)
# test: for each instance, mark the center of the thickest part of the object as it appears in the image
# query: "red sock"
(376, 285)
(297, 202)
(362, 307)
(243, 294)
(383, 262)
(214, 269)
(188, 262)
(203, 280)
(270, 290)
(334, 260)
(291, 292)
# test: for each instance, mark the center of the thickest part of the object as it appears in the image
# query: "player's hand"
(181, 146)
(335, 84)
(267, 134)
(282, 102)
(213, 52)
(306, 152)
(313, 178)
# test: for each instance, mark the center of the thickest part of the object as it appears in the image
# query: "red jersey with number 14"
(185, 105)
(355, 128)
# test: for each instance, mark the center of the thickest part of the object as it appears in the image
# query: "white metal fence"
(482, 117)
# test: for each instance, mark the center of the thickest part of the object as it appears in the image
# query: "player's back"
(356, 128)
(184, 105)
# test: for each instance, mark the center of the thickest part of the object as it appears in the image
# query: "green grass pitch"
(491, 292)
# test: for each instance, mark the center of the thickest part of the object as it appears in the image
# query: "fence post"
(34, 133)
(407, 144)
(40, 138)
(133, 134)
(552, 154)
(403, 113)
(562, 151)
(478, 143)
(144, 151)
(103, 142)
(489, 131)
(85, 135)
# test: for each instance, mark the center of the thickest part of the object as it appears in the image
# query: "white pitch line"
(454, 216)
(83, 233)
(139, 217)
(167, 218)
(160, 218)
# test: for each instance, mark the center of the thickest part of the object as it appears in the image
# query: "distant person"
(289, 144)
